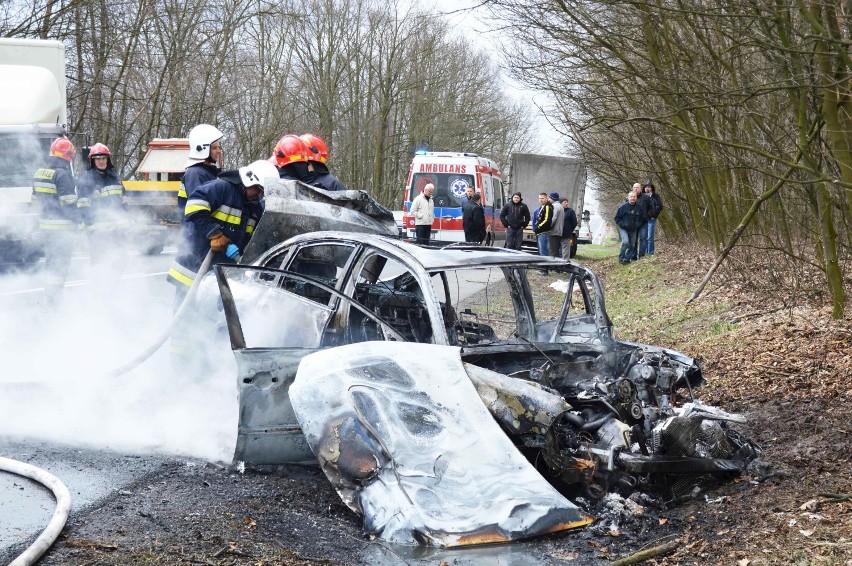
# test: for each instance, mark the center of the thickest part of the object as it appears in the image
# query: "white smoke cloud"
(55, 357)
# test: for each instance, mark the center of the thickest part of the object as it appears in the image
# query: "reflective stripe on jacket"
(101, 198)
(54, 192)
(213, 208)
(195, 175)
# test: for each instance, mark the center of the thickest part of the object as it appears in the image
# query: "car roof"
(433, 257)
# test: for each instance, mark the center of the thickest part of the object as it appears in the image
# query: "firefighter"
(205, 151)
(103, 210)
(318, 174)
(291, 158)
(59, 219)
(220, 215)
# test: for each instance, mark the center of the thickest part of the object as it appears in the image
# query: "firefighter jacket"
(101, 200)
(193, 177)
(216, 207)
(53, 191)
(320, 177)
(543, 219)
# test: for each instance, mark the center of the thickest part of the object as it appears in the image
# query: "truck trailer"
(32, 114)
(531, 174)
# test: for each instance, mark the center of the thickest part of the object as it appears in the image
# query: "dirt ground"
(787, 371)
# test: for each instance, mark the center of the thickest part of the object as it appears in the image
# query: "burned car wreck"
(450, 402)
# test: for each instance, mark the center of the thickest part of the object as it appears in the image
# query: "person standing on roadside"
(467, 196)
(569, 224)
(515, 216)
(205, 151)
(643, 201)
(656, 209)
(473, 220)
(542, 224)
(554, 242)
(423, 210)
(629, 219)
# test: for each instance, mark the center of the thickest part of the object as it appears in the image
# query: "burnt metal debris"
(374, 355)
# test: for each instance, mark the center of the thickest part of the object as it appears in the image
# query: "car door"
(274, 319)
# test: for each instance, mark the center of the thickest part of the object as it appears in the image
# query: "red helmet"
(63, 148)
(99, 149)
(290, 149)
(317, 149)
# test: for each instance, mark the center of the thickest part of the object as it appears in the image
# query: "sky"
(468, 15)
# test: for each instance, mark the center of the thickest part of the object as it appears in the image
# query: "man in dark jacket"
(569, 224)
(629, 218)
(515, 216)
(473, 220)
(643, 201)
(656, 209)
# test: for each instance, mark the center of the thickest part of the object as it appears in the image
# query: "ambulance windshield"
(449, 187)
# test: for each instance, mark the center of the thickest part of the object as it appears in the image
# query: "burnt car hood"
(402, 434)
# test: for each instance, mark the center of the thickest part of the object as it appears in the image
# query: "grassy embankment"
(646, 301)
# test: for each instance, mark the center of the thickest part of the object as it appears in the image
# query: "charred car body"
(401, 367)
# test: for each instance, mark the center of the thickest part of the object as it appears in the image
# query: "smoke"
(56, 356)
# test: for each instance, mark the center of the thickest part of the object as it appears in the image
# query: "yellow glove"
(219, 243)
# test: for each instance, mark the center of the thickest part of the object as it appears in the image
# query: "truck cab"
(32, 114)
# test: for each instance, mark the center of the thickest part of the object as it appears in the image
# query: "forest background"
(738, 110)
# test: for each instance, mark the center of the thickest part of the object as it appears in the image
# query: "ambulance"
(452, 173)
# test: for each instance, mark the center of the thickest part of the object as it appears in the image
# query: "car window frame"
(232, 318)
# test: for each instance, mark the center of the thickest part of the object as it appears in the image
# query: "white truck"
(531, 174)
(33, 113)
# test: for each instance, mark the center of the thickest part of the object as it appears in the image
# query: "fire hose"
(57, 520)
(149, 351)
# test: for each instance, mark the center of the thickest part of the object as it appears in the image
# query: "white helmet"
(257, 172)
(201, 137)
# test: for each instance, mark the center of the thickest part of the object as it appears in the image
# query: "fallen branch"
(837, 497)
(644, 555)
(82, 543)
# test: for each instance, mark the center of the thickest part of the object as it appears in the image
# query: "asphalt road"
(57, 411)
